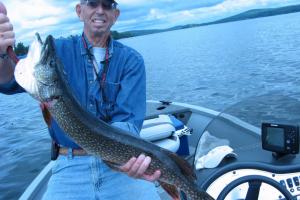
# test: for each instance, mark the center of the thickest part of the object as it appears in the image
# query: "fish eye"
(52, 63)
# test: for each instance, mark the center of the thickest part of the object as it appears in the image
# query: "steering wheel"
(255, 179)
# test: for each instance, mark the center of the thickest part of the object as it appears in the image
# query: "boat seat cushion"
(161, 131)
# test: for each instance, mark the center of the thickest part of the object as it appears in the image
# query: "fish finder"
(280, 139)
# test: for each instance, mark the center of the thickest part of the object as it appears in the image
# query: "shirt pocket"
(106, 103)
(110, 92)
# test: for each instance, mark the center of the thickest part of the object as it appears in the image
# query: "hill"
(250, 14)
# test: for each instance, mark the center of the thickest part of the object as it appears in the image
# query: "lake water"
(212, 66)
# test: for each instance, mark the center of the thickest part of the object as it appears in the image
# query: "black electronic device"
(281, 139)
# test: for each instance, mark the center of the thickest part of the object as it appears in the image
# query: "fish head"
(37, 72)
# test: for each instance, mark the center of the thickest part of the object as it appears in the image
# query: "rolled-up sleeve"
(129, 127)
(11, 87)
(130, 107)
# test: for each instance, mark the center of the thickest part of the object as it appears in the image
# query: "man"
(108, 79)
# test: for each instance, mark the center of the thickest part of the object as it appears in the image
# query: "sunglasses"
(106, 4)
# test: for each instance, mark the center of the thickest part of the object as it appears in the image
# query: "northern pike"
(42, 75)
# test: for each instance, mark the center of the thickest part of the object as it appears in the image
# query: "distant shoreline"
(250, 14)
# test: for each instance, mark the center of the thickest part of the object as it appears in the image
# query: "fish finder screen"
(275, 137)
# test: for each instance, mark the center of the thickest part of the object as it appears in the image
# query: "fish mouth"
(48, 49)
(37, 72)
(24, 70)
(38, 38)
(46, 73)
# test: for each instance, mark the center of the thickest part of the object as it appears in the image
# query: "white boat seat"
(161, 131)
(171, 144)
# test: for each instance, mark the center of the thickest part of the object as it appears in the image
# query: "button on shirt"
(124, 88)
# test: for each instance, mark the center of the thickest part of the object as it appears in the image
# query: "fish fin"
(186, 169)
(171, 190)
(46, 114)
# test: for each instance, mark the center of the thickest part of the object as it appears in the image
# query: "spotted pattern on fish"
(111, 144)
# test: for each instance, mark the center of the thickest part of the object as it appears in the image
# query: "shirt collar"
(89, 46)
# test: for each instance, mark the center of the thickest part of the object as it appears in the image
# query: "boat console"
(267, 161)
(244, 182)
(281, 139)
(267, 165)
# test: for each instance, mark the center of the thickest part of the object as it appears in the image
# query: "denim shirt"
(124, 88)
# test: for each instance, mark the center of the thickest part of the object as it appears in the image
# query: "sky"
(58, 17)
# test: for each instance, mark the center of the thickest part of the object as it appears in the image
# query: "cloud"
(156, 14)
(133, 2)
(30, 16)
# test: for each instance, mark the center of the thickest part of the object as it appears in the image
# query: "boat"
(242, 166)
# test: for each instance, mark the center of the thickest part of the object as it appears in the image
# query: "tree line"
(20, 49)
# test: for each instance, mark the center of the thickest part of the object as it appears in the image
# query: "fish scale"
(113, 145)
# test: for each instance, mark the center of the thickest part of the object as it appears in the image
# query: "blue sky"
(58, 17)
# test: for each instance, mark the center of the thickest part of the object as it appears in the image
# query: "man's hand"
(7, 35)
(136, 168)
(7, 38)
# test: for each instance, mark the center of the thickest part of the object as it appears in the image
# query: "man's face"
(98, 16)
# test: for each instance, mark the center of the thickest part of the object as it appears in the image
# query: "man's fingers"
(143, 167)
(7, 35)
(6, 43)
(3, 18)
(6, 26)
(126, 167)
(153, 177)
(132, 172)
(136, 168)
